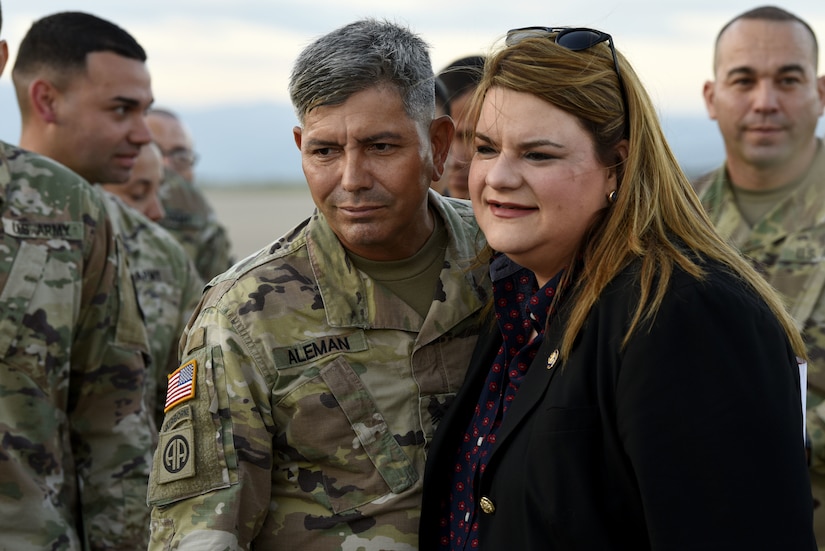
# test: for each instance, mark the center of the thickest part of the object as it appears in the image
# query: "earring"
(611, 197)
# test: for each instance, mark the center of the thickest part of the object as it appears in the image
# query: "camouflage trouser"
(816, 433)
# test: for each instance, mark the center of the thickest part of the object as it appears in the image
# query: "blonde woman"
(638, 388)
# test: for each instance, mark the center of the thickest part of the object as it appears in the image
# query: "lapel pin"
(554, 356)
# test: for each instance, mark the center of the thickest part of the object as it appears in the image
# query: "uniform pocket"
(337, 428)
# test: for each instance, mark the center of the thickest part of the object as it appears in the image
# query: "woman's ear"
(621, 154)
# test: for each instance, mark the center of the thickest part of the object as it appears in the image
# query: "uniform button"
(487, 505)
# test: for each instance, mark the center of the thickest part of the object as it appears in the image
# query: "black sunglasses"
(574, 39)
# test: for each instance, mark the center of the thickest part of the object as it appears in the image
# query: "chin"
(505, 246)
(120, 176)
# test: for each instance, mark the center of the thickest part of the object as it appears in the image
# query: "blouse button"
(487, 505)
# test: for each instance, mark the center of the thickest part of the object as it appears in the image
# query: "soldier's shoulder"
(288, 252)
(43, 185)
(460, 219)
(150, 235)
(461, 207)
(705, 180)
(37, 169)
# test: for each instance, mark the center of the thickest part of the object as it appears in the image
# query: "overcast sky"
(212, 52)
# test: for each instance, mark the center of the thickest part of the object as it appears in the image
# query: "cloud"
(209, 61)
(211, 52)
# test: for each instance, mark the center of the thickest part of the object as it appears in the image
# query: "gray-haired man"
(315, 371)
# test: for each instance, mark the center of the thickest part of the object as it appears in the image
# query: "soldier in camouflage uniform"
(189, 216)
(167, 283)
(315, 371)
(769, 196)
(141, 191)
(76, 437)
(83, 88)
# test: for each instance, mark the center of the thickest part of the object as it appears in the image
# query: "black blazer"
(688, 438)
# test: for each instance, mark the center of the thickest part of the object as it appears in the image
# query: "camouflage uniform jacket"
(192, 221)
(76, 437)
(168, 290)
(788, 247)
(316, 395)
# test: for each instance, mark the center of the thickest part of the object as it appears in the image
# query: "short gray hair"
(359, 56)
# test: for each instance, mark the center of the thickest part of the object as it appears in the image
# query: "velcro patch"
(71, 231)
(308, 351)
(196, 340)
(177, 455)
(174, 419)
(181, 385)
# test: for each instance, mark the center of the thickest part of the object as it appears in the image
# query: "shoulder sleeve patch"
(181, 385)
(175, 457)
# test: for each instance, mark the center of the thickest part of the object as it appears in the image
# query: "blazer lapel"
(535, 383)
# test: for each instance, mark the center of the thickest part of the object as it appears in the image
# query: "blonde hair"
(656, 209)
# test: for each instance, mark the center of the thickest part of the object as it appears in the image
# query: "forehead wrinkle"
(378, 137)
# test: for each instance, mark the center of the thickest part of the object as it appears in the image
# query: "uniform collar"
(800, 210)
(357, 307)
(5, 173)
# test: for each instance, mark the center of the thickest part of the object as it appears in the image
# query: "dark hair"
(462, 75)
(62, 41)
(1, 18)
(442, 96)
(771, 13)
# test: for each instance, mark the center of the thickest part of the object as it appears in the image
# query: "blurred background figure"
(141, 191)
(175, 142)
(460, 78)
(188, 215)
(167, 283)
(442, 107)
(768, 197)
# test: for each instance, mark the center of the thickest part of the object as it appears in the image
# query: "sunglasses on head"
(574, 39)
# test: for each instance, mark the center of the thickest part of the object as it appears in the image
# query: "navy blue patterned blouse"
(520, 308)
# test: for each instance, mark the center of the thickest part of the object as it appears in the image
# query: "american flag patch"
(181, 385)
